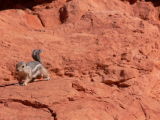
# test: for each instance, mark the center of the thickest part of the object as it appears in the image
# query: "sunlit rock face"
(103, 58)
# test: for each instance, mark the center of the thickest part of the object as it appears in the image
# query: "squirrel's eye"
(23, 66)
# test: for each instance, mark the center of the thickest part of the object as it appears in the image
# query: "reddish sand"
(103, 57)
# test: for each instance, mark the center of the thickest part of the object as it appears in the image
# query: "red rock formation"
(103, 56)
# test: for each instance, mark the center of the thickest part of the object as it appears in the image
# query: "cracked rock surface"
(103, 58)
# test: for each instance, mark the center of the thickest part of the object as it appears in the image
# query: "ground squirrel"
(28, 72)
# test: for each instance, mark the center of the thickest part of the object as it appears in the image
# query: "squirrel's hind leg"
(45, 74)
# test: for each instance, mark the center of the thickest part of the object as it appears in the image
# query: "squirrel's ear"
(40, 50)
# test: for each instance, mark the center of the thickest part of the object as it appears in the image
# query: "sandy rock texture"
(103, 57)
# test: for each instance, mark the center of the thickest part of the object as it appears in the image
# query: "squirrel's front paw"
(48, 78)
(24, 84)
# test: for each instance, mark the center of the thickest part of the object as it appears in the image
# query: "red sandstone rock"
(103, 57)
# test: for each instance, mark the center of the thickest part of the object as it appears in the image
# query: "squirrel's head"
(20, 66)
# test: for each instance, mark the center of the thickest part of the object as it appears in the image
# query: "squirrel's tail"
(36, 55)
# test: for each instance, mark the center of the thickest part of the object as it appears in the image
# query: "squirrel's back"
(33, 64)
